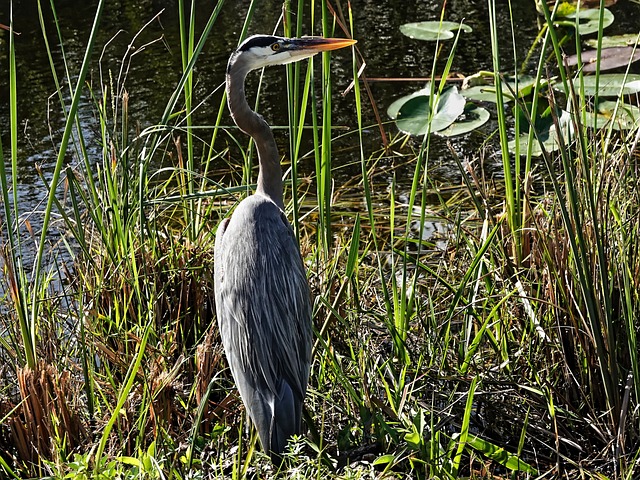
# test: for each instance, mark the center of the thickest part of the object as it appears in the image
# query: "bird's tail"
(287, 413)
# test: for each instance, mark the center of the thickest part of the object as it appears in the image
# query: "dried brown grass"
(46, 416)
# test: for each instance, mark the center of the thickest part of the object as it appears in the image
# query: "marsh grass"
(503, 345)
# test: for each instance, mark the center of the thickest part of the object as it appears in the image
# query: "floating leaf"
(610, 84)
(610, 58)
(416, 118)
(394, 108)
(589, 20)
(434, 30)
(626, 117)
(487, 93)
(472, 117)
(499, 455)
(629, 39)
(484, 93)
(547, 134)
(601, 121)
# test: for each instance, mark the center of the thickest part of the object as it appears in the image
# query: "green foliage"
(433, 31)
(615, 114)
(416, 117)
(608, 84)
(84, 467)
(480, 87)
(486, 328)
(498, 454)
(551, 130)
(624, 40)
(472, 117)
(588, 20)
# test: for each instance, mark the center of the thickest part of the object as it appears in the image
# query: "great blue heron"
(262, 296)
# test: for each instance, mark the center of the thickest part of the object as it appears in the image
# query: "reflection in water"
(434, 231)
(153, 66)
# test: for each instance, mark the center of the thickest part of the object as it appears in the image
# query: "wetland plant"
(502, 345)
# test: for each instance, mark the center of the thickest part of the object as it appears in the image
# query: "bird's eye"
(275, 47)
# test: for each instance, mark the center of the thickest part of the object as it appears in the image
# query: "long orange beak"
(320, 44)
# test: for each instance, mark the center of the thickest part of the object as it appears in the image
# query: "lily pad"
(472, 117)
(589, 20)
(626, 40)
(626, 117)
(433, 30)
(484, 93)
(610, 58)
(394, 108)
(610, 84)
(487, 93)
(416, 118)
(547, 134)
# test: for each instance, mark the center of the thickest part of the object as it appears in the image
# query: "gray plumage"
(263, 301)
(264, 314)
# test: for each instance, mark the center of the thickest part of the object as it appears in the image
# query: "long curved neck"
(270, 173)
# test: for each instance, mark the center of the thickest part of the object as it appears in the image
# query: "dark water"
(156, 68)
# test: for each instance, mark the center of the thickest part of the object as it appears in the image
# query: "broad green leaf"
(484, 93)
(394, 108)
(610, 84)
(413, 439)
(472, 117)
(547, 134)
(384, 459)
(415, 117)
(151, 451)
(130, 461)
(499, 455)
(433, 30)
(627, 116)
(601, 121)
(590, 19)
(627, 40)
(487, 93)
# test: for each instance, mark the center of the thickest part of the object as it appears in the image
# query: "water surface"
(155, 68)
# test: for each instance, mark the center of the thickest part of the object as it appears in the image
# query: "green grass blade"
(464, 429)
(123, 394)
(15, 269)
(86, 62)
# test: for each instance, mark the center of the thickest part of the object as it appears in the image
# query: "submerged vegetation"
(486, 329)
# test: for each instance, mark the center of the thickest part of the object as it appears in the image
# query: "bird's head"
(263, 50)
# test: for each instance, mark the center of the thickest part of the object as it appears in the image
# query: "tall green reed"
(12, 254)
(584, 178)
(404, 284)
(114, 211)
(323, 157)
(297, 105)
(589, 281)
(187, 39)
(26, 293)
(70, 121)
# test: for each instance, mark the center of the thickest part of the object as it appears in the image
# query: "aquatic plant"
(480, 328)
